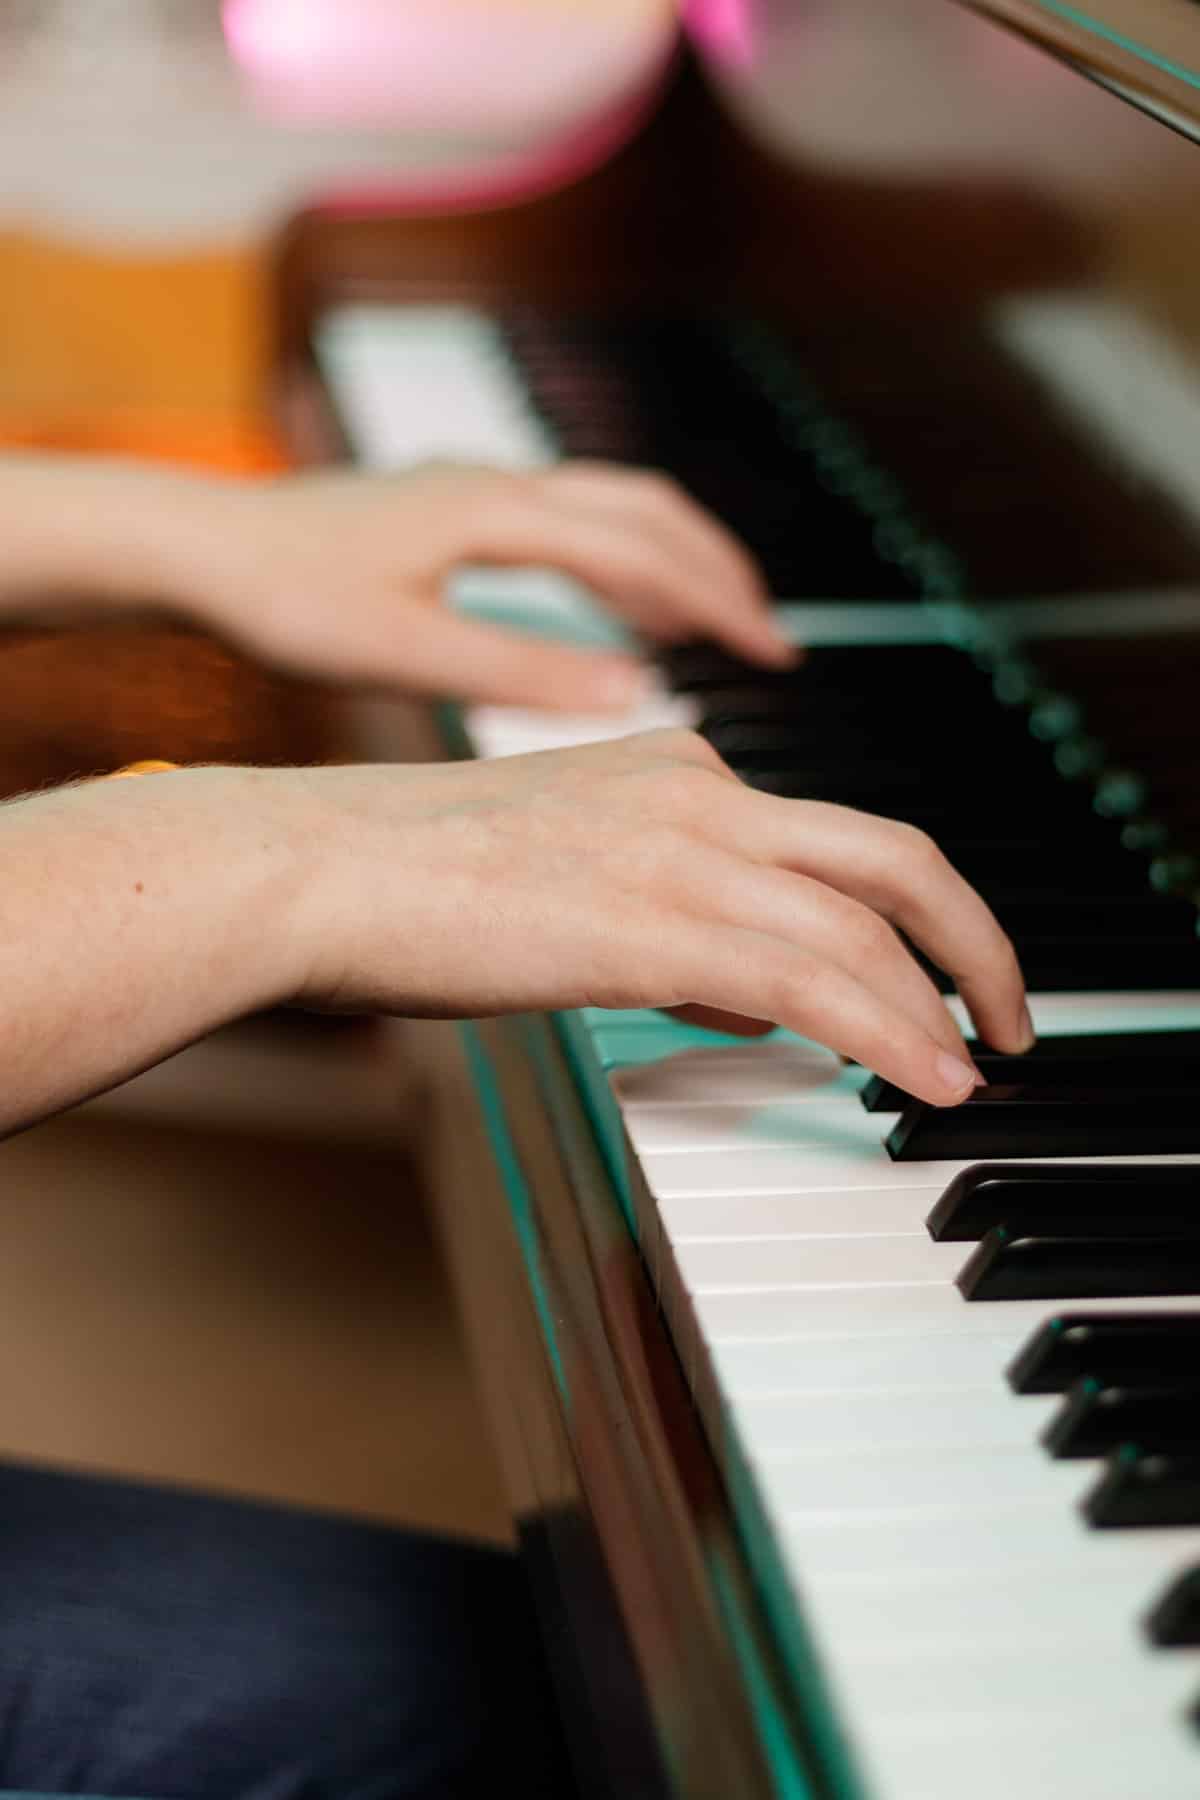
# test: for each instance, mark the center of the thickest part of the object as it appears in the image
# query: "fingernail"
(1025, 1032)
(980, 1080)
(958, 1078)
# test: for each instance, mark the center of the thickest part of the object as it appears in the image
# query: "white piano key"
(950, 1616)
(1155, 1762)
(826, 1118)
(997, 1681)
(852, 1364)
(818, 1262)
(1046, 1540)
(794, 1316)
(821, 1212)
(983, 1416)
(1072, 1014)
(776, 1070)
(881, 1485)
(415, 384)
(782, 1169)
(514, 731)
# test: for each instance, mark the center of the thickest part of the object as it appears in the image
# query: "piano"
(856, 1446)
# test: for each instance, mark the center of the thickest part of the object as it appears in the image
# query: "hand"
(343, 575)
(641, 872)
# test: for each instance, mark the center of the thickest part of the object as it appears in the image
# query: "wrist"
(222, 862)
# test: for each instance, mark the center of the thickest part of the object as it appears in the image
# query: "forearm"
(100, 530)
(134, 917)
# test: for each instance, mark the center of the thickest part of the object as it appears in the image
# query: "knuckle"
(874, 939)
(684, 789)
(918, 850)
(678, 743)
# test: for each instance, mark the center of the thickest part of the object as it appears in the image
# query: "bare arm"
(343, 575)
(136, 916)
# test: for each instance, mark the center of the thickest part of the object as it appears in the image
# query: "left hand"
(342, 575)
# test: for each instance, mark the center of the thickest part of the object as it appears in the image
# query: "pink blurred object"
(513, 96)
(723, 28)
(510, 70)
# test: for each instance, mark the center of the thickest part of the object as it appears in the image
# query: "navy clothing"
(158, 1642)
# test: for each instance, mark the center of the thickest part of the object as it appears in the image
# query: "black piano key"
(1005, 1266)
(1139, 1489)
(1013, 1119)
(850, 669)
(1095, 1420)
(1135, 1349)
(1163, 1050)
(1059, 1068)
(1069, 1200)
(1173, 1622)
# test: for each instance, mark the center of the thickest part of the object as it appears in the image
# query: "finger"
(901, 874)
(670, 510)
(756, 975)
(728, 597)
(622, 560)
(490, 664)
(821, 921)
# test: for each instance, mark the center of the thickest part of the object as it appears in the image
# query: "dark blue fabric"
(156, 1642)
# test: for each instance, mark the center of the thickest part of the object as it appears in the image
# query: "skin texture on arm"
(138, 915)
(343, 575)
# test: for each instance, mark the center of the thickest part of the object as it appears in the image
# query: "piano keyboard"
(978, 1632)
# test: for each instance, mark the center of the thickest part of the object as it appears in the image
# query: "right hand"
(642, 872)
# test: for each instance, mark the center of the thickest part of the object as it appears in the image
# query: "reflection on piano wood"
(865, 1577)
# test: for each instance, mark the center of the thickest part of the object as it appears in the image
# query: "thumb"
(464, 657)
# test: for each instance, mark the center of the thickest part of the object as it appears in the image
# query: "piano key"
(1174, 1619)
(824, 1118)
(777, 1071)
(1133, 1348)
(989, 1678)
(796, 1315)
(874, 1488)
(1058, 1063)
(1050, 1541)
(780, 1169)
(891, 1418)
(764, 1265)
(927, 1613)
(1057, 1200)
(849, 1364)
(1005, 1267)
(1094, 1420)
(1023, 1120)
(812, 1212)
(513, 731)
(1139, 1489)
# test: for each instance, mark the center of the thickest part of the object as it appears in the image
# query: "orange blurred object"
(159, 356)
